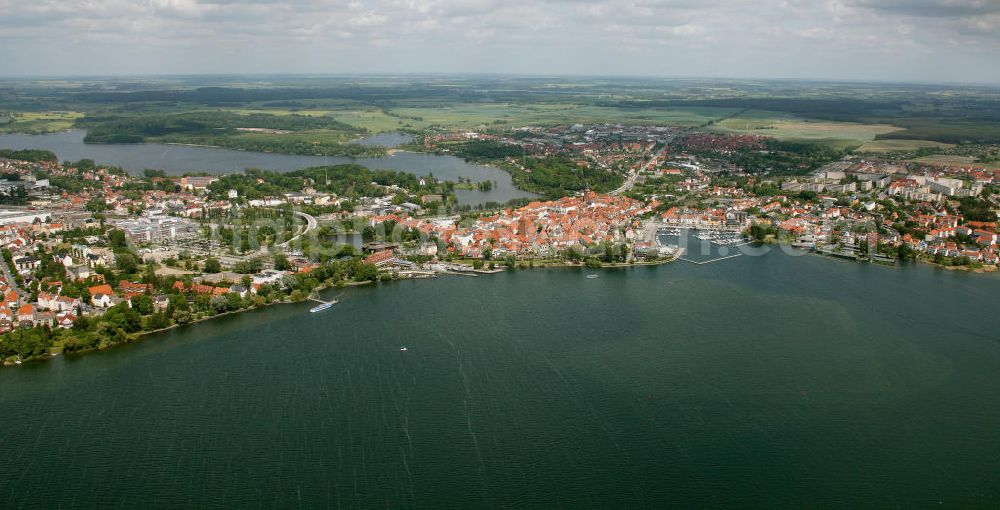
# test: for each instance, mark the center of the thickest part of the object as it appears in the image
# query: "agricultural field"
(884, 146)
(792, 128)
(416, 116)
(949, 130)
(37, 122)
(953, 160)
(471, 115)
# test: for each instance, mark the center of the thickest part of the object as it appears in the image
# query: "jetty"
(323, 305)
(320, 301)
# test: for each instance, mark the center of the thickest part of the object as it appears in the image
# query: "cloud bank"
(927, 40)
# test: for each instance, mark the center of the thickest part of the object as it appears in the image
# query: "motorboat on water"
(592, 276)
(320, 308)
(403, 349)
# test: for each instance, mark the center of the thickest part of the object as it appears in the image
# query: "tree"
(157, 320)
(178, 302)
(143, 304)
(212, 265)
(126, 262)
(281, 262)
(117, 239)
(366, 272)
(905, 252)
(96, 205)
(234, 301)
(182, 316)
(253, 265)
(122, 317)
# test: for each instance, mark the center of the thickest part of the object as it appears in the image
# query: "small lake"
(178, 159)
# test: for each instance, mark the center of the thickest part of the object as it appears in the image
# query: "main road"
(311, 224)
(634, 175)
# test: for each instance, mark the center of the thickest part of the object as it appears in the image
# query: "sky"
(897, 40)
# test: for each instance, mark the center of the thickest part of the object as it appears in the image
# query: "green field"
(949, 160)
(946, 130)
(889, 145)
(793, 128)
(471, 115)
(420, 115)
(474, 115)
(38, 122)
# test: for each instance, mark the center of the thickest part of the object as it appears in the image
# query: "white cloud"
(780, 38)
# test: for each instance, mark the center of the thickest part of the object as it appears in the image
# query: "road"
(10, 278)
(311, 224)
(634, 175)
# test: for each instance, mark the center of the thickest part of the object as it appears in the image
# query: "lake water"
(177, 159)
(771, 381)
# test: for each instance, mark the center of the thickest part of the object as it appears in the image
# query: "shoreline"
(983, 269)
(140, 335)
(135, 337)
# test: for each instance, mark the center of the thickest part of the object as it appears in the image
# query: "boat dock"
(322, 305)
(320, 301)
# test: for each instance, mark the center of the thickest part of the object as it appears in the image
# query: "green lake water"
(772, 381)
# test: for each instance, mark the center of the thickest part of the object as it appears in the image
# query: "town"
(94, 256)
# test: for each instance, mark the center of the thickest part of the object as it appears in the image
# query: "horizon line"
(626, 76)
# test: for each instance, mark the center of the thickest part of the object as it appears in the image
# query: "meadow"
(954, 160)
(883, 146)
(794, 128)
(417, 115)
(948, 130)
(39, 122)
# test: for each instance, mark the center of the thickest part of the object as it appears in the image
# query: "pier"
(320, 301)
(315, 298)
(703, 262)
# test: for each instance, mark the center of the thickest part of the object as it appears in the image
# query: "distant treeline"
(137, 129)
(221, 128)
(235, 96)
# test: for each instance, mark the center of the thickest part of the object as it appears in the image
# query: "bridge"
(311, 224)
